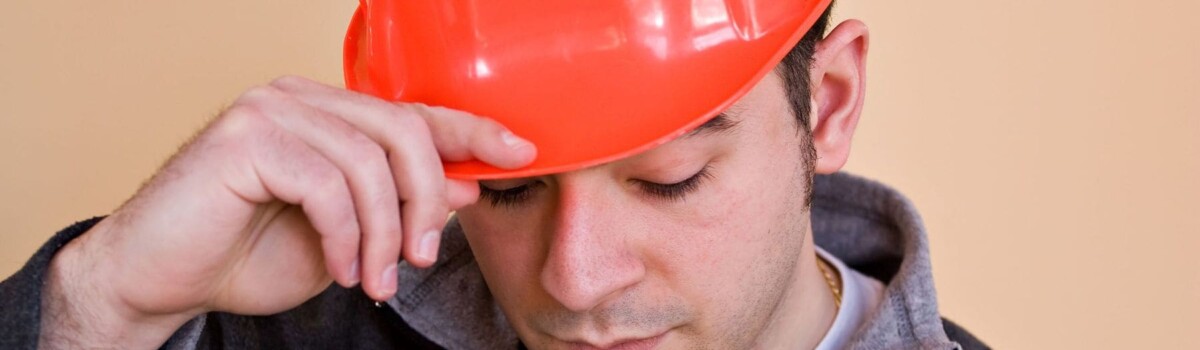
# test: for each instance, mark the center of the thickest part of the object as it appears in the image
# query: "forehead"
(766, 93)
(766, 97)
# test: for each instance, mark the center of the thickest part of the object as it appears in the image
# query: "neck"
(807, 310)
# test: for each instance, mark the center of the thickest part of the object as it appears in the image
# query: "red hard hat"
(587, 81)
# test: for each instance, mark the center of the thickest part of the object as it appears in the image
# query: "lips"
(622, 344)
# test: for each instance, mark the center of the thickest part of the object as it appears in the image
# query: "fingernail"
(388, 281)
(354, 277)
(427, 249)
(512, 140)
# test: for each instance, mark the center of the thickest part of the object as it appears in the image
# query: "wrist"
(81, 306)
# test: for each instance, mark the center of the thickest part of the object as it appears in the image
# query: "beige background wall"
(1053, 146)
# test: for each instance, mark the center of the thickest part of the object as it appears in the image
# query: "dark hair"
(798, 87)
(794, 69)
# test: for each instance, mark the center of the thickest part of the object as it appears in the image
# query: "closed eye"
(509, 197)
(678, 190)
(515, 196)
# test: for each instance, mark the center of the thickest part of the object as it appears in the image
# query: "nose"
(589, 259)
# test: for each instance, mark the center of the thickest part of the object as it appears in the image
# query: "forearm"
(80, 311)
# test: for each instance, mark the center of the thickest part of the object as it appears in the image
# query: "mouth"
(621, 344)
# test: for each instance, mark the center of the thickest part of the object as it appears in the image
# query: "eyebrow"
(718, 124)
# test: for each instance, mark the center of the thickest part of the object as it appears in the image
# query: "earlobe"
(838, 76)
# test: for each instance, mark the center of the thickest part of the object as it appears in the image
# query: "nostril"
(566, 290)
(582, 284)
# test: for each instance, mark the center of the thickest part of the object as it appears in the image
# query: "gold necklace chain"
(831, 280)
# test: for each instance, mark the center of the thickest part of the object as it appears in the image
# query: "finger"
(461, 193)
(458, 135)
(368, 175)
(425, 195)
(292, 172)
(328, 204)
(422, 186)
(461, 136)
(420, 180)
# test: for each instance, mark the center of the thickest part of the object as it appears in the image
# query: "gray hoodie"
(867, 225)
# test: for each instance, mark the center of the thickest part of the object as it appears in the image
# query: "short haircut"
(798, 88)
(794, 69)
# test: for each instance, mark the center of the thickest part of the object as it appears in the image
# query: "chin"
(665, 340)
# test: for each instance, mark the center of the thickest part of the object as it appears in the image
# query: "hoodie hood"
(877, 231)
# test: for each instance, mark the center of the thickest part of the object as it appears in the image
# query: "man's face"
(694, 241)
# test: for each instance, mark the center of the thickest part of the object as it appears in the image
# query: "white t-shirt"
(860, 296)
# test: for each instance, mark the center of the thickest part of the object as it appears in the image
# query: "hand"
(295, 185)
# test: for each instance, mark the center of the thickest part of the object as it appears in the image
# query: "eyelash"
(676, 191)
(509, 197)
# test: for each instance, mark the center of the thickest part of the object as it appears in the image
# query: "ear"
(839, 81)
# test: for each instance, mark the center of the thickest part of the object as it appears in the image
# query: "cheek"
(756, 191)
(711, 233)
(732, 253)
(732, 229)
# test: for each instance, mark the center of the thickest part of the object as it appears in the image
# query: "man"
(706, 241)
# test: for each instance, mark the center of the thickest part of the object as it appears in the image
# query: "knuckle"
(289, 80)
(451, 113)
(488, 126)
(367, 154)
(383, 199)
(331, 185)
(370, 164)
(333, 190)
(481, 139)
(416, 108)
(238, 121)
(404, 128)
(259, 94)
(420, 114)
(432, 196)
(410, 120)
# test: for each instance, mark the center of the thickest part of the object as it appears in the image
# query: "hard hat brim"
(587, 82)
